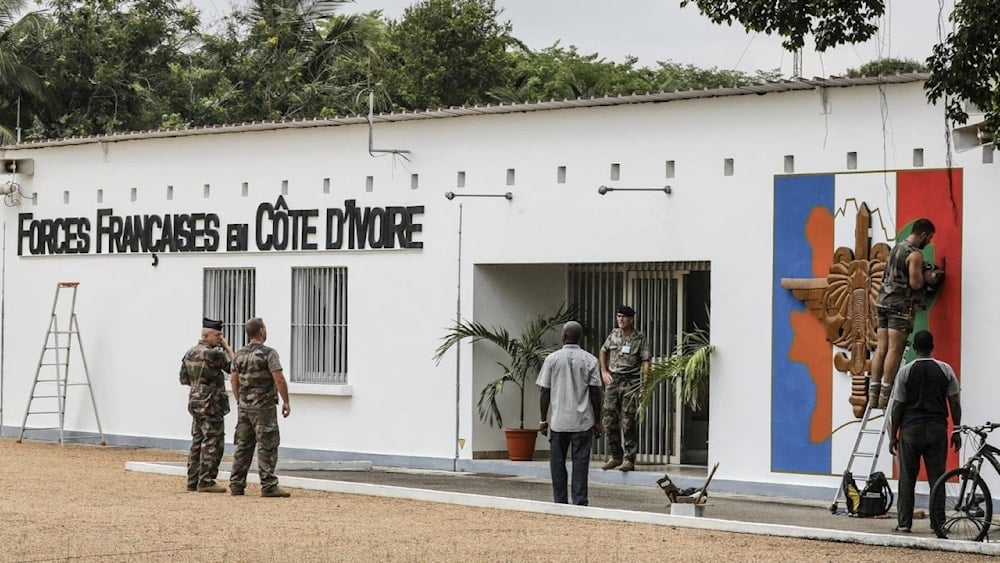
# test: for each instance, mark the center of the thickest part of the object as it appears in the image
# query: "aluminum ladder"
(872, 425)
(48, 390)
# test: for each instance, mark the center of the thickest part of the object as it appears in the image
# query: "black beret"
(626, 310)
(209, 323)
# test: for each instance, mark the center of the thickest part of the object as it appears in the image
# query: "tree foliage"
(831, 22)
(18, 80)
(882, 67)
(107, 63)
(448, 53)
(85, 67)
(966, 66)
(276, 59)
(563, 73)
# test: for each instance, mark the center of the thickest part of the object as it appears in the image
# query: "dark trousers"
(928, 440)
(578, 444)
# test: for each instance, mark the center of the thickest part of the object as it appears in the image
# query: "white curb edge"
(502, 503)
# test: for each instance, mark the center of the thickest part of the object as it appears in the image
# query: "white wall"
(137, 320)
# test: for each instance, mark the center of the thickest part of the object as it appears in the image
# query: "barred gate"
(656, 291)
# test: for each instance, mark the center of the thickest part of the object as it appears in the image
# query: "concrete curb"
(502, 503)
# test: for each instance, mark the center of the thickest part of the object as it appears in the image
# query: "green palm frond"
(525, 354)
(689, 364)
(476, 332)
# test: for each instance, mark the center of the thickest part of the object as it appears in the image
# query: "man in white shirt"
(570, 401)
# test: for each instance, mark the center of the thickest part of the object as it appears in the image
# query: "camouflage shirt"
(253, 365)
(626, 353)
(896, 292)
(204, 368)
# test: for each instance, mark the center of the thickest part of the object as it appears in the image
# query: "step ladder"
(52, 377)
(868, 445)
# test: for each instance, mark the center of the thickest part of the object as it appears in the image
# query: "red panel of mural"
(937, 195)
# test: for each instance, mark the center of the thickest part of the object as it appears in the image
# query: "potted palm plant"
(688, 364)
(525, 354)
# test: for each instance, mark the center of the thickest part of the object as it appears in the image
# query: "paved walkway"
(645, 504)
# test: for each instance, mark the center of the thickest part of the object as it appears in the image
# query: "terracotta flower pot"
(521, 443)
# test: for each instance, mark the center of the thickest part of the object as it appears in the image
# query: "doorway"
(669, 298)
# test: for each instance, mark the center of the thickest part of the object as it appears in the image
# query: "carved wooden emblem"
(845, 302)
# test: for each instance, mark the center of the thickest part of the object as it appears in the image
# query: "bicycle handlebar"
(980, 430)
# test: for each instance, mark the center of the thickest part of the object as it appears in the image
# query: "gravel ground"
(77, 502)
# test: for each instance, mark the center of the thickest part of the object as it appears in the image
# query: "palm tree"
(280, 59)
(525, 354)
(17, 80)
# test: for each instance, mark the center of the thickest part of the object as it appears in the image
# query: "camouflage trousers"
(208, 440)
(621, 407)
(256, 428)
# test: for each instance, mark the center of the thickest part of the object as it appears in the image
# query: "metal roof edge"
(779, 86)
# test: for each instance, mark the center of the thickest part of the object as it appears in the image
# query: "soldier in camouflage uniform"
(624, 359)
(257, 381)
(903, 278)
(203, 369)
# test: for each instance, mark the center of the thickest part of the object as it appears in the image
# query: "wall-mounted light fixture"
(603, 190)
(452, 195)
(972, 136)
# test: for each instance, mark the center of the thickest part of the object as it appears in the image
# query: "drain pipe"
(458, 348)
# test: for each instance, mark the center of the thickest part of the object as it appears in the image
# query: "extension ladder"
(48, 392)
(866, 435)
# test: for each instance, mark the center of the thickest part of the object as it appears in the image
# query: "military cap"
(626, 310)
(209, 323)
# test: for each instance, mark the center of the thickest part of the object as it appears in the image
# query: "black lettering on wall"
(277, 228)
(334, 228)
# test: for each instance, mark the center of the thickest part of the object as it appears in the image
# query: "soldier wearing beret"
(624, 359)
(203, 369)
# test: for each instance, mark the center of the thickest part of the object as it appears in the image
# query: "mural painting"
(832, 234)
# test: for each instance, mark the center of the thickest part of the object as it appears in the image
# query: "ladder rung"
(45, 396)
(865, 431)
(46, 381)
(44, 412)
(41, 428)
(63, 332)
(57, 347)
(53, 364)
(76, 384)
(864, 454)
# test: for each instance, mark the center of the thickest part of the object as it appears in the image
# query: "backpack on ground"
(876, 498)
(852, 496)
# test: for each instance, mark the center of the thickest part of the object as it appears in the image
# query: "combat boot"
(629, 465)
(276, 492)
(213, 488)
(873, 393)
(611, 464)
(884, 396)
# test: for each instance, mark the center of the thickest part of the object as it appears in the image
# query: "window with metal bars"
(229, 296)
(319, 325)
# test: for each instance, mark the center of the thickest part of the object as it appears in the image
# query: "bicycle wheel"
(961, 506)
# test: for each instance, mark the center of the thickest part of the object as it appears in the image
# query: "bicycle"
(960, 503)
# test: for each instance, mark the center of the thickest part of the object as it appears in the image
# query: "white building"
(299, 223)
